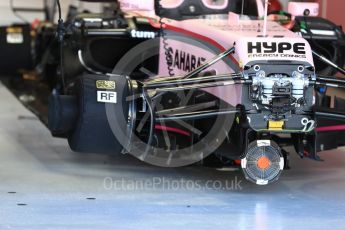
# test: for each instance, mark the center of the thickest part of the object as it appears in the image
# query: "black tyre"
(92, 132)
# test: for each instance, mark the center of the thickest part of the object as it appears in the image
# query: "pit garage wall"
(7, 17)
(333, 10)
(330, 9)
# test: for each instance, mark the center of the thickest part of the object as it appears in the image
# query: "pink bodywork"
(298, 8)
(148, 5)
(219, 34)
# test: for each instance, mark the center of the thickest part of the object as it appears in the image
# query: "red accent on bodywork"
(172, 129)
(331, 128)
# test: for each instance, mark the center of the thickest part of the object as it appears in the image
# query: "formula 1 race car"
(173, 82)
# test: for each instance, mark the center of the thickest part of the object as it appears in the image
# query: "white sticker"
(262, 182)
(244, 163)
(107, 97)
(15, 38)
(263, 143)
(281, 163)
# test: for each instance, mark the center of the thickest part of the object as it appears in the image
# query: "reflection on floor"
(46, 186)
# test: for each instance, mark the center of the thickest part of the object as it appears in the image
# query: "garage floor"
(43, 185)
